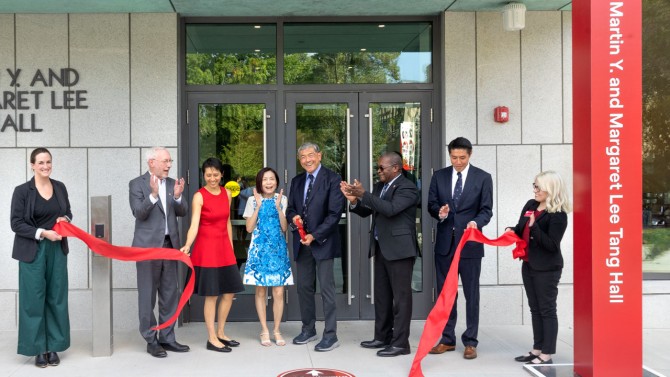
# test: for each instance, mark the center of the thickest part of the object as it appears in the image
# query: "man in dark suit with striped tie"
(460, 197)
(315, 200)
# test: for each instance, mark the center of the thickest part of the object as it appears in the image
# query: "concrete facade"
(128, 66)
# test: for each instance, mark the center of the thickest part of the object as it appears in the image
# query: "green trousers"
(44, 322)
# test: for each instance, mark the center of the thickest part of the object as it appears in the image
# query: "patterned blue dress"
(268, 264)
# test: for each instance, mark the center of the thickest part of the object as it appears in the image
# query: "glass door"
(353, 130)
(234, 127)
(328, 120)
(398, 122)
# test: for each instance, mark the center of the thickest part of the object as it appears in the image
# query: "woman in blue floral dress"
(268, 264)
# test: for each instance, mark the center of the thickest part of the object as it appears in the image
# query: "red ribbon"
(301, 229)
(137, 254)
(439, 315)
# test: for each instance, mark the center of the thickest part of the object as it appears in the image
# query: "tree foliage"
(234, 132)
(656, 95)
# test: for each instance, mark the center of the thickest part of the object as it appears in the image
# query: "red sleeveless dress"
(212, 246)
(212, 253)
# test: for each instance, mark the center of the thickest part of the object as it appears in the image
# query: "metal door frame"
(243, 308)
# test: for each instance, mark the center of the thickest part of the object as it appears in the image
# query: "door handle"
(349, 295)
(371, 296)
(265, 136)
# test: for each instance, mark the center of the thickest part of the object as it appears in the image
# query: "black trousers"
(469, 269)
(542, 292)
(393, 299)
(308, 270)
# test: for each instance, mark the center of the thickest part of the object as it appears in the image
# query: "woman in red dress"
(216, 272)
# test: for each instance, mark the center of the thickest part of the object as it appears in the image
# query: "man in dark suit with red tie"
(316, 201)
(460, 197)
(393, 243)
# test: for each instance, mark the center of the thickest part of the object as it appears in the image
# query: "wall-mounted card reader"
(99, 230)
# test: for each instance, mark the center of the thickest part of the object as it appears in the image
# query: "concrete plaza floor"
(497, 348)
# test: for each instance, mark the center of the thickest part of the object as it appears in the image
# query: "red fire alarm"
(501, 114)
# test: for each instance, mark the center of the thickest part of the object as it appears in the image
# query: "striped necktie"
(458, 190)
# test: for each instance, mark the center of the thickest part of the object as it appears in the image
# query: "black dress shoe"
(53, 359)
(41, 360)
(175, 347)
(229, 343)
(212, 347)
(373, 344)
(391, 351)
(525, 358)
(155, 350)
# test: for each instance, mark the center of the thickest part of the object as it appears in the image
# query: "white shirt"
(162, 193)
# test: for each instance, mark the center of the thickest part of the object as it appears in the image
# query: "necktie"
(386, 187)
(310, 179)
(381, 196)
(458, 190)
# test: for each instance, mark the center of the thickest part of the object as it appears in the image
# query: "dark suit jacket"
(544, 248)
(476, 205)
(150, 217)
(394, 216)
(325, 207)
(23, 223)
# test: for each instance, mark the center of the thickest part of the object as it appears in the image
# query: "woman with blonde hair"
(542, 224)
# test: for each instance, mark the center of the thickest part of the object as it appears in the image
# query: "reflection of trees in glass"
(223, 68)
(386, 123)
(656, 95)
(324, 125)
(342, 68)
(234, 134)
(300, 68)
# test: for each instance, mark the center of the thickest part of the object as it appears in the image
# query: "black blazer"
(326, 204)
(23, 223)
(476, 204)
(544, 249)
(394, 216)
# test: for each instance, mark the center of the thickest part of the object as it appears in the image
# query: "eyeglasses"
(164, 161)
(382, 167)
(536, 188)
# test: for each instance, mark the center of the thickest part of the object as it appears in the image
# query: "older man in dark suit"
(393, 242)
(156, 202)
(316, 201)
(460, 197)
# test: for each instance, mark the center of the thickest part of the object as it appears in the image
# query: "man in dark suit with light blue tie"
(315, 200)
(460, 197)
(393, 243)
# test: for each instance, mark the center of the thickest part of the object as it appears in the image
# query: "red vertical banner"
(607, 160)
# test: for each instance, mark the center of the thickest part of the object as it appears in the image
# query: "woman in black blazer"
(37, 205)
(542, 224)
